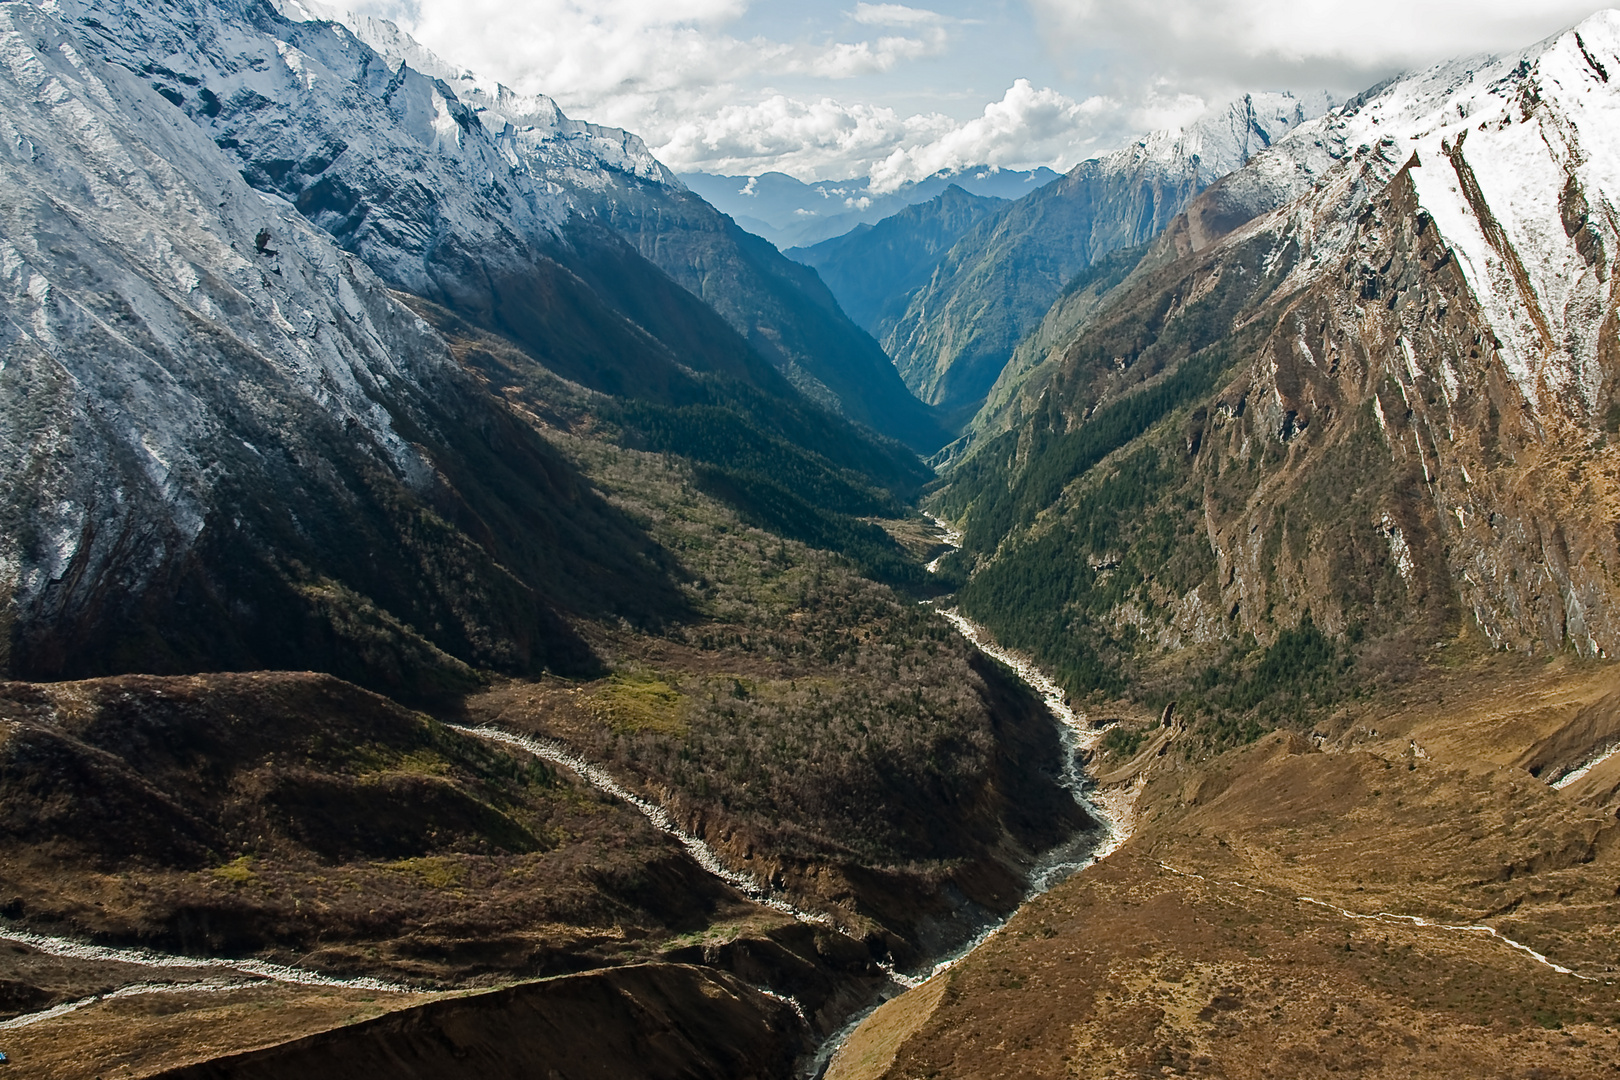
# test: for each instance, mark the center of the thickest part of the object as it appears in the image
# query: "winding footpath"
(1399, 920)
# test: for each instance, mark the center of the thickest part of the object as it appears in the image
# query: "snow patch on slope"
(1517, 161)
(138, 322)
(532, 129)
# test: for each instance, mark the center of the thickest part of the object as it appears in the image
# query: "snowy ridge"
(403, 158)
(531, 129)
(1517, 161)
(401, 165)
(130, 291)
(1225, 139)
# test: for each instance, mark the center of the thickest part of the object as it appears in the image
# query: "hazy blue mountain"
(872, 269)
(791, 213)
(995, 284)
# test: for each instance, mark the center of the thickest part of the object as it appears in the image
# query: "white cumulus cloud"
(893, 15)
(1028, 126)
(743, 87)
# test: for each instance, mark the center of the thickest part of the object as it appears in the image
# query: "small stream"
(241, 974)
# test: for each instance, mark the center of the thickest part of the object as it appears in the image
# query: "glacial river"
(1112, 810)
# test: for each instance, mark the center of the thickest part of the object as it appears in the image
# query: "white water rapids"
(1058, 864)
(1110, 814)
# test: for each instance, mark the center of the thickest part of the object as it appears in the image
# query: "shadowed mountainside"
(872, 269)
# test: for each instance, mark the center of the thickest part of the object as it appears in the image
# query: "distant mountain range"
(792, 213)
(874, 269)
(951, 330)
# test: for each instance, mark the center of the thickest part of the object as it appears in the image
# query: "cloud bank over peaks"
(899, 91)
(1215, 45)
(1028, 127)
(707, 95)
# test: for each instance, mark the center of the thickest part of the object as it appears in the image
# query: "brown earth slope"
(1291, 911)
(652, 1021)
(298, 817)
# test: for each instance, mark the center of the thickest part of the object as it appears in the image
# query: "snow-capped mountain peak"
(1516, 159)
(1225, 138)
(534, 132)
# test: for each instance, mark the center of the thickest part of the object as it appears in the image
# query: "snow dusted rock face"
(955, 337)
(495, 204)
(222, 442)
(1412, 363)
(1453, 292)
(385, 158)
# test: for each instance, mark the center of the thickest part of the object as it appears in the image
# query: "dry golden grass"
(1247, 929)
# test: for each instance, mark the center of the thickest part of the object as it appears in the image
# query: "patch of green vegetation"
(726, 439)
(1107, 271)
(1288, 684)
(843, 718)
(434, 872)
(1130, 536)
(1123, 741)
(373, 758)
(995, 503)
(633, 702)
(238, 871)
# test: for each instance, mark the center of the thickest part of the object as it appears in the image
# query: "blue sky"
(897, 91)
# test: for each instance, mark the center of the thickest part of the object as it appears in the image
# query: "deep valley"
(468, 606)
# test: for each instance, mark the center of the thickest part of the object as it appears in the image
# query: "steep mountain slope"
(872, 267)
(790, 212)
(1379, 414)
(496, 204)
(218, 456)
(292, 468)
(782, 308)
(997, 281)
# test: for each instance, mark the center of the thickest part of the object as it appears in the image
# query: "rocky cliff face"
(216, 453)
(1386, 404)
(959, 329)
